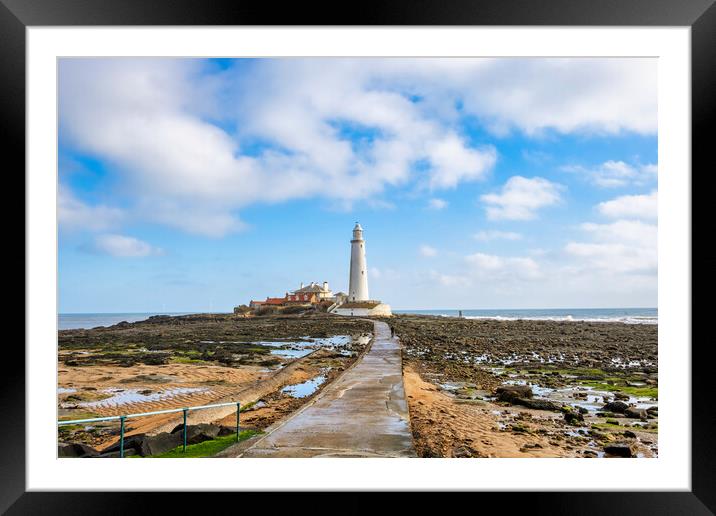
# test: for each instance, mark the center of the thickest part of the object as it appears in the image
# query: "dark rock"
(615, 406)
(115, 454)
(621, 396)
(198, 433)
(537, 404)
(77, 450)
(636, 413)
(625, 450)
(133, 442)
(652, 411)
(226, 430)
(160, 443)
(511, 392)
(629, 433)
(573, 418)
(608, 414)
(462, 452)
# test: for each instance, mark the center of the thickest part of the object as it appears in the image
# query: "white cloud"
(614, 174)
(426, 250)
(521, 197)
(123, 246)
(624, 246)
(453, 161)
(488, 235)
(195, 145)
(437, 204)
(497, 267)
(450, 280)
(643, 207)
(75, 214)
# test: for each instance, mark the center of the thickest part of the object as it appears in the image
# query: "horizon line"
(394, 309)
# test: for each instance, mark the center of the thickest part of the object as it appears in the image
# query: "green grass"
(641, 392)
(621, 428)
(187, 360)
(205, 449)
(78, 415)
(248, 406)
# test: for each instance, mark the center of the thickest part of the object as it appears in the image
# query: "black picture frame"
(17, 15)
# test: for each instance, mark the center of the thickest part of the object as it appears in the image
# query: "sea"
(86, 321)
(623, 315)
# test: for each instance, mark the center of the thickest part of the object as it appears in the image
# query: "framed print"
(436, 249)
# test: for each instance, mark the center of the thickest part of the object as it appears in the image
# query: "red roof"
(274, 301)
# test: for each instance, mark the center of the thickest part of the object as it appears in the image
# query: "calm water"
(624, 315)
(74, 321)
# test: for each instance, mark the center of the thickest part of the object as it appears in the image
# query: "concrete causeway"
(363, 413)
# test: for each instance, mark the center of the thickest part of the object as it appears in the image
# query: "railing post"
(238, 411)
(121, 437)
(185, 411)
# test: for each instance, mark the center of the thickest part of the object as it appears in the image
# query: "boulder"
(511, 392)
(160, 443)
(615, 406)
(625, 450)
(636, 413)
(537, 404)
(226, 430)
(629, 433)
(133, 442)
(621, 396)
(573, 418)
(77, 450)
(197, 433)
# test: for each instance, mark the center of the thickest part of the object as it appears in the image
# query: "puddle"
(451, 386)
(292, 349)
(291, 353)
(302, 390)
(65, 390)
(588, 398)
(127, 396)
(578, 432)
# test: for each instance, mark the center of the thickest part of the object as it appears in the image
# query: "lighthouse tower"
(358, 287)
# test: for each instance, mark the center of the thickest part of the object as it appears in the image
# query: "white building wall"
(380, 310)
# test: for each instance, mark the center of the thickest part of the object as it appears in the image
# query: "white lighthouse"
(357, 302)
(358, 286)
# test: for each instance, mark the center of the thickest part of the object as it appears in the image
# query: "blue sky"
(192, 184)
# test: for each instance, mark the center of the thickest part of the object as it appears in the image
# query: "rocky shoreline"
(477, 388)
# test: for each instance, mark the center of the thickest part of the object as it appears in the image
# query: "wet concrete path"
(363, 413)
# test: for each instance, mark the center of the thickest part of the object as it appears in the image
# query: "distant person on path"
(392, 331)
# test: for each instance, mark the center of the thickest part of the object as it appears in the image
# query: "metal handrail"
(185, 410)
